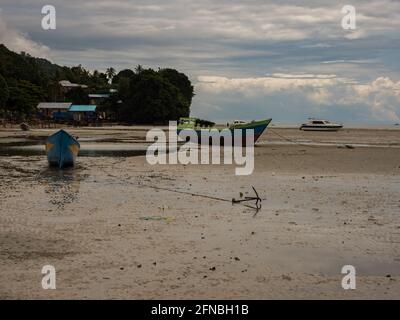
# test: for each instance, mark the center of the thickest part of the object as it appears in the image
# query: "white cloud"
(379, 98)
(303, 76)
(18, 41)
(312, 61)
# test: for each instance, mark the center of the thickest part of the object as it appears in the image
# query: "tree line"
(139, 95)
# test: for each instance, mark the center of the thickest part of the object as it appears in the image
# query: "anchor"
(257, 199)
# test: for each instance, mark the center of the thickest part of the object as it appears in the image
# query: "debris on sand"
(158, 218)
(24, 126)
(286, 277)
(346, 146)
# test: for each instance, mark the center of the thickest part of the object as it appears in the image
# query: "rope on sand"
(294, 141)
(233, 201)
(185, 192)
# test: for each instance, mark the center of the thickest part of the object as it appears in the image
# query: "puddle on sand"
(87, 150)
(62, 185)
(330, 262)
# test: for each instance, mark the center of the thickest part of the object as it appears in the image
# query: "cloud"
(286, 57)
(229, 35)
(378, 100)
(18, 41)
(269, 84)
(303, 76)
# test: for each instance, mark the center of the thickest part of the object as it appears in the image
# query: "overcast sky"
(252, 59)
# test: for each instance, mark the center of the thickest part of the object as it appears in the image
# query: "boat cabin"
(319, 122)
(239, 122)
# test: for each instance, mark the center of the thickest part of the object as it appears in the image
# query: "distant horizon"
(349, 125)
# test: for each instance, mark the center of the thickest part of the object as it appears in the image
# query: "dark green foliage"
(144, 95)
(148, 96)
(110, 72)
(23, 99)
(179, 80)
(77, 96)
(4, 93)
(111, 107)
(126, 73)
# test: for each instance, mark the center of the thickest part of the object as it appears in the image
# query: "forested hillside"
(141, 95)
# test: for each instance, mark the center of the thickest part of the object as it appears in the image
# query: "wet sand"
(116, 227)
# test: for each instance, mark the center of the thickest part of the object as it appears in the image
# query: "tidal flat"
(116, 227)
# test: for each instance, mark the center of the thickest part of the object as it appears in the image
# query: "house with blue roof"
(83, 112)
(67, 112)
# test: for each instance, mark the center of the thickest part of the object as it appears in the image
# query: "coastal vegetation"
(133, 96)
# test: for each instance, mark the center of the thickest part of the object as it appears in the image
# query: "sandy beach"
(116, 227)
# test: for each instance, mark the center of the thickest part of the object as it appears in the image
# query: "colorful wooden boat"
(62, 149)
(238, 127)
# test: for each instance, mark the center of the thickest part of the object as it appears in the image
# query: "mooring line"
(257, 208)
(185, 192)
(301, 143)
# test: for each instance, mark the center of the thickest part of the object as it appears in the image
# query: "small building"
(96, 98)
(83, 112)
(65, 86)
(69, 85)
(47, 109)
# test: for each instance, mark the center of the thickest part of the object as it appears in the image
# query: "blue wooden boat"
(62, 149)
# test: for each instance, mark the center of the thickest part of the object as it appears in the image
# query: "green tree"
(139, 69)
(99, 81)
(111, 106)
(4, 93)
(179, 80)
(126, 73)
(77, 96)
(152, 98)
(23, 99)
(110, 72)
(144, 95)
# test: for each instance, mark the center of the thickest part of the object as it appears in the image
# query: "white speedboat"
(320, 125)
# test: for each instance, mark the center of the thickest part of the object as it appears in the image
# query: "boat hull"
(320, 128)
(239, 133)
(62, 149)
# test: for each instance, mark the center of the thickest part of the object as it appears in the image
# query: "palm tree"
(139, 69)
(110, 72)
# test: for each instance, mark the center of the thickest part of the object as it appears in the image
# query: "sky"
(252, 59)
